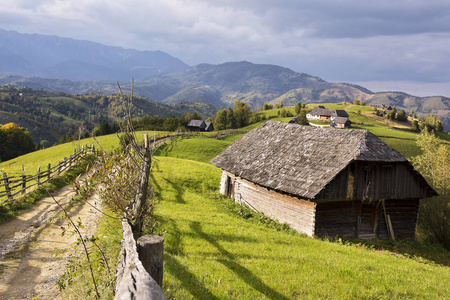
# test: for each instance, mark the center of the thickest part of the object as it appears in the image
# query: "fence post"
(24, 181)
(65, 162)
(39, 175)
(7, 188)
(49, 174)
(70, 161)
(150, 249)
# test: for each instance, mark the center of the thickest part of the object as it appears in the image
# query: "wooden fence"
(13, 185)
(134, 280)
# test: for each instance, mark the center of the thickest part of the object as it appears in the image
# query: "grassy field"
(215, 249)
(53, 155)
(214, 252)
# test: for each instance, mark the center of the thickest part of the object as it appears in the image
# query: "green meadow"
(216, 250)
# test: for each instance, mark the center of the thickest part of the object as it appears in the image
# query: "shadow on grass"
(229, 262)
(410, 248)
(188, 279)
(179, 191)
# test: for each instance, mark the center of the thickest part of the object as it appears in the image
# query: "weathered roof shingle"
(300, 160)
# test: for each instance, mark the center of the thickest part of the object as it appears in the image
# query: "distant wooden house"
(322, 113)
(324, 182)
(209, 126)
(342, 122)
(196, 125)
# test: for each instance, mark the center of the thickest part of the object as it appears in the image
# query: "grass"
(188, 147)
(213, 251)
(53, 155)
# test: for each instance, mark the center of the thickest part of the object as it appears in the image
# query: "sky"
(382, 45)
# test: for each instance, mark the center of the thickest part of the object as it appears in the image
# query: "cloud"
(344, 40)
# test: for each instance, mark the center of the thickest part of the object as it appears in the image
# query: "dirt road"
(29, 267)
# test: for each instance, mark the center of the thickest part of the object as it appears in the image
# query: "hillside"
(49, 115)
(255, 84)
(64, 58)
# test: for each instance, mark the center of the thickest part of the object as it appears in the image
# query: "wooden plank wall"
(298, 213)
(352, 219)
(376, 182)
(336, 219)
(403, 214)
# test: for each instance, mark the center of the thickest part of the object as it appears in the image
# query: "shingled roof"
(322, 111)
(300, 160)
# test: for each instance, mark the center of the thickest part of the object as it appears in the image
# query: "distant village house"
(199, 125)
(209, 126)
(338, 117)
(324, 182)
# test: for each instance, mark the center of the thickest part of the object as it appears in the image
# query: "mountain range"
(64, 58)
(80, 67)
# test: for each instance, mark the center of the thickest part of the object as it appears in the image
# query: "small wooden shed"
(324, 182)
(209, 126)
(196, 125)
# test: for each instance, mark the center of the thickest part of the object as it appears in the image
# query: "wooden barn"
(324, 182)
(196, 125)
(209, 126)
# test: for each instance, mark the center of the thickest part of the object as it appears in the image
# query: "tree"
(411, 114)
(401, 116)
(298, 108)
(356, 102)
(302, 120)
(433, 123)
(14, 141)
(415, 125)
(220, 122)
(242, 114)
(231, 119)
(279, 105)
(434, 213)
(394, 110)
(267, 106)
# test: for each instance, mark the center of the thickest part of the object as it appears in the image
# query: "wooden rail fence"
(13, 185)
(18, 184)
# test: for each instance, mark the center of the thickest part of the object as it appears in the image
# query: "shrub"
(434, 213)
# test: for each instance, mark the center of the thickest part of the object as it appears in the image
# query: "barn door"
(367, 221)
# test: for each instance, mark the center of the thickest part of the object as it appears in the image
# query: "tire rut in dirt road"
(28, 267)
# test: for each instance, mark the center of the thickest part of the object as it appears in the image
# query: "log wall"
(298, 213)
